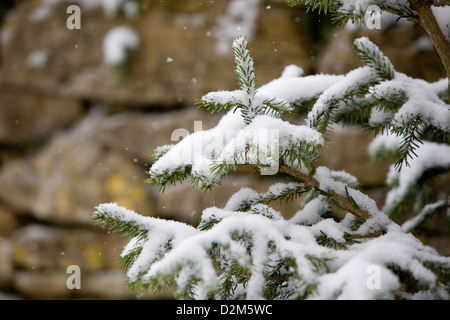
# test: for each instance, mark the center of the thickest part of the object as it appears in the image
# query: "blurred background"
(81, 110)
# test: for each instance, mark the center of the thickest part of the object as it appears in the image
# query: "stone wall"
(76, 132)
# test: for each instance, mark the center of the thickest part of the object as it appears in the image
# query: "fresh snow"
(346, 277)
(409, 225)
(200, 148)
(292, 71)
(148, 223)
(262, 229)
(422, 101)
(295, 89)
(429, 155)
(118, 43)
(384, 143)
(328, 183)
(227, 143)
(288, 136)
(261, 236)
(332, 97)
(38, 59)
(312, 211)
(442, 15)
(330, 228)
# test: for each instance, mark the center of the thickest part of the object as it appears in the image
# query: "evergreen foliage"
(248, 250)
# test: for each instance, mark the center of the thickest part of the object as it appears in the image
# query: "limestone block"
(41, 285)
(41, 256)
(136, 135)
(6, 262)
(74, 173)
(177, 60)
(8, 222)
(98, 285)
(38, 247)
(20, 184)
(26, 118)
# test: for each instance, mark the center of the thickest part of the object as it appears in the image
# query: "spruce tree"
(248, 250)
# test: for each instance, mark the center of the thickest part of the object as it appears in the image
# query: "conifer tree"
(248, 250)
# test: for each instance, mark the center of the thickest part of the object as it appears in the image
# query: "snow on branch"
(248, 250)
(247, 254)
(383, 99)
(251, 132)
(247, 99)
(150, 237)
(414, 224)
(404, 184)
(341, 97)
(413, 98)
(371, 55)
(344, 11)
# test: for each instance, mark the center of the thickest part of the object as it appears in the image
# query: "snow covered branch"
(431, 15)
(256, 256)
(248, 249)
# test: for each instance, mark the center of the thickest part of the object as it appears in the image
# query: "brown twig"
(427, 21)
(342, 200)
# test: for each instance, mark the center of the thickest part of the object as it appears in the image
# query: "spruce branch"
(278, 192)
(159, 180)
(415, 224)
(160, 151)
(417, 11)
(369, 53)
(205, 183)
(130, 257)
(411, 138)
(245, 72)
(329, 242)
(402, 11)
(246, 99)
(244, 69)
(342, 97)
(247, 249)
(213, 106)
(388, 101)
(356, 112)
(257, 203)
(276, 107)
(402, 195)
(116, 222)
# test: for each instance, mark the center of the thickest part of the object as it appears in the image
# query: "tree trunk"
(345, 202)
(427, 21)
